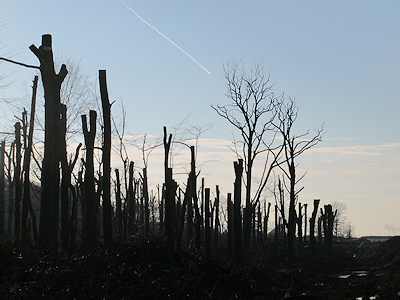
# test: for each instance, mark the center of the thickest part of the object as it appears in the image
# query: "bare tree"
(294, 145)
(392, 231)
(349, 230)
(339, 223)
(252, 110)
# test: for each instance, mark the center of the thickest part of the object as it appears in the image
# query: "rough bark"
(300, 226)
(192, 193)
(266, 218)
(107, 208)
(17, 183)
(170, 190)
(207, 233)
(50, 167)
(27, 159)
(230, 225)
(216, 226)
(131, 200)
(65, 179)
(2, 195)
(89, 206)
(312, 227)
(292, 216)
(237, 216)
(118, 203)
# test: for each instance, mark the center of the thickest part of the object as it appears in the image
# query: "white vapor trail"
(165, 37)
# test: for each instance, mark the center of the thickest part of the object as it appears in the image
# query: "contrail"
(165, 37)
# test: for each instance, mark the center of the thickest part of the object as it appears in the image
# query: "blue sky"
(338, 59)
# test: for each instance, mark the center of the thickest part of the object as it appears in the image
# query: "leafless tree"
(339, 223)
(349, 230)
(294, 146)
(392, 230)
(252, 109)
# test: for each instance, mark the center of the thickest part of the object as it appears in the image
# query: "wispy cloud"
(165, 37)
(355, 150)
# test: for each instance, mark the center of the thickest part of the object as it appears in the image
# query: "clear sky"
(339, 59)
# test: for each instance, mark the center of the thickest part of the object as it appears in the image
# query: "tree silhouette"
(50, 169)
(252, 109)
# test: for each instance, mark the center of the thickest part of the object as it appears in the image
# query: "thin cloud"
(355, 150)
(165, 37)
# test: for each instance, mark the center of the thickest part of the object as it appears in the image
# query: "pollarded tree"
(252, 109)
(294, 145)
(50, 169)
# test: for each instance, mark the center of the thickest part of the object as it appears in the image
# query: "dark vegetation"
(93, 232)
(142, 270)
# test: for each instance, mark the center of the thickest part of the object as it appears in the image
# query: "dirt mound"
(386, 256)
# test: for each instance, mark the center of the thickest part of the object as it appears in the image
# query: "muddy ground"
(356, 270)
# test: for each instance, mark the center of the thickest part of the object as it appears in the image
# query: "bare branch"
(19, 63)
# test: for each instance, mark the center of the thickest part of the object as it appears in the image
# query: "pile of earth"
(384, 262)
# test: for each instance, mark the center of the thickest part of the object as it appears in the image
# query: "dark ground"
(143, 271)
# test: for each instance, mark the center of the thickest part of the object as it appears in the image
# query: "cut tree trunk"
(107, 208)
(51, 157)
(89, 205)
(237, 216)
(26, 205)
(312, 227)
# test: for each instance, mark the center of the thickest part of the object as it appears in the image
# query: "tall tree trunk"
(230, 226)
(2, 194)
(65, 180)
(89, 206)
(170, 190)
(237, 216)
(207, 224)
(192, 193)
(300, 226)
(266, 217)
(247, 224)
(216, 227)
(107, 208)
(131, 200)
(27, 161)
(329, 229)
(50, 168)
(74, 191)
(276, 229)
(312, 227)
(11, 190)
(118, 203)
(187, 198)
(17, 182)
(199, 220)
(305, 223)
(292, 216)
(146, 204)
